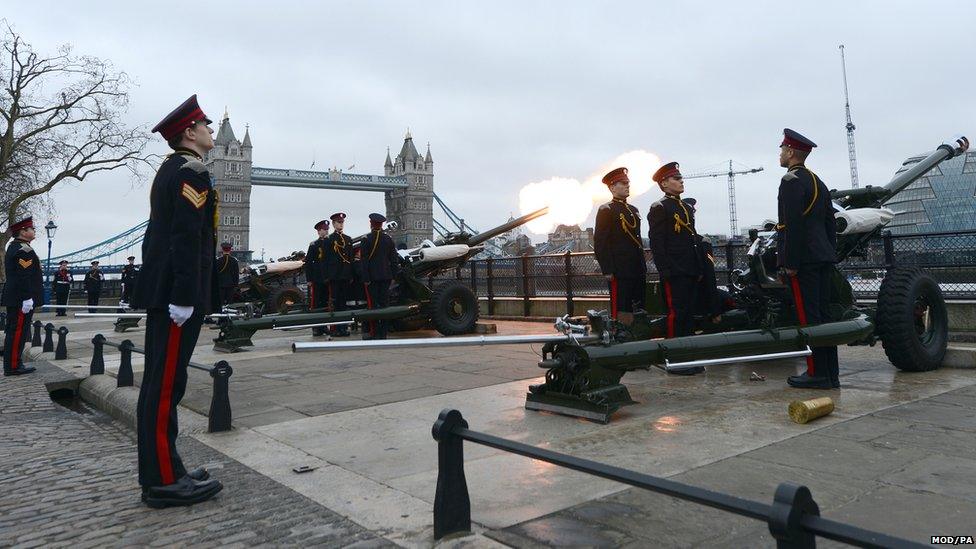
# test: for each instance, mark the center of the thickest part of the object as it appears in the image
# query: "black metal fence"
(219, 418)
(949, 257)
(793, 517)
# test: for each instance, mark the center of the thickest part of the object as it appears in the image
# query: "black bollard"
(790, 504)
(98, 359)
(452, 506)
(124, 378)
(61, 352)
(36, 342)
(48, 338)
(220, 415)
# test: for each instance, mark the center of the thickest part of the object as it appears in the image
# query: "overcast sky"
(509, 93)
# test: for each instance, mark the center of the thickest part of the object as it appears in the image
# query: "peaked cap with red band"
(668, 170)
(180, 119)
(226, 246)
(338, 217)
(796, 141)
(324, 224)
(616, 176)
(26, 223)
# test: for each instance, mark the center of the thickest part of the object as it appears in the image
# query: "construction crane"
(850, 124)
(731, 173)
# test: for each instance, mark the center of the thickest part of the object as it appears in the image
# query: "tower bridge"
(407, 184)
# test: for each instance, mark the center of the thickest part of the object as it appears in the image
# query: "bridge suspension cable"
(106, 248)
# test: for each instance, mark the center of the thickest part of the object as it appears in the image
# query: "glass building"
(943, 200)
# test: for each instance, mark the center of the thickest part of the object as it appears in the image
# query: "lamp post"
(51, 228)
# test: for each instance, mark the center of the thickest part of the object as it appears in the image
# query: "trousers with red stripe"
(377, 297)
(812, 283)
(16, 334)
(168, 351)
(679, 302)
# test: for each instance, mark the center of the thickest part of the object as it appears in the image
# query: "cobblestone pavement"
(69, 479)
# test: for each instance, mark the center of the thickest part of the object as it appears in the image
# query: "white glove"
(180, 313)
(27, 306)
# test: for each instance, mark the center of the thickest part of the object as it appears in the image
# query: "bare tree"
(60, 120)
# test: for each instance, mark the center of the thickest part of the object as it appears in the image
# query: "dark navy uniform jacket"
(379, 257)
(617, 240)
(177, 253)
(129, 274)
(24, 279)
(315, 260)
(674, 241)
(807, 231)
(228, 271)
(93, 280)
(339, 257)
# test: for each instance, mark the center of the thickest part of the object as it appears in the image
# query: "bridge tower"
(229, 163)
(413, 207)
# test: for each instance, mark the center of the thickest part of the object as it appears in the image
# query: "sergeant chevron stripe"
(197, 198)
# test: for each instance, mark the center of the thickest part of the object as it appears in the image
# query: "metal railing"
(219, 417)
(950, 258)
(794, 517)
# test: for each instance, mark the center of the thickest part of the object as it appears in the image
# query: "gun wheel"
(912, 321)
(453, 308)
(282, 299)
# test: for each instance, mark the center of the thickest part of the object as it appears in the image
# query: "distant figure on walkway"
(177, 287)
(129, 274)
(62, 286)
(93, 285)
(228, 273)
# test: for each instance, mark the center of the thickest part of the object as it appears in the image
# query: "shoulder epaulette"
(790, 176)
(195, 165)
(25, 247)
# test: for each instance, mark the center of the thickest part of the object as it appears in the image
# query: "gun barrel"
(943, 152)
(505, 227)
(462, 341)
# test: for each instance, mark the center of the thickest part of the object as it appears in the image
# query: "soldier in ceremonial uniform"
(93, 285)
(129, 274)
(177, 287)
(315, 271)
(228, 273)
(379, 266)
(339, 269)
(619, 250)
(674, 246)
(23, 290)
(805, 250)
(62, 286)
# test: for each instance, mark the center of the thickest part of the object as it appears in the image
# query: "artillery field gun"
(450, 307)
(584, 366)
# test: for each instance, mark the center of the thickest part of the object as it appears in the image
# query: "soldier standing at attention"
(619, 250)
(129, 274)
(62, 286)
(674, 246)
(338, 269)
(228, 273)
(93, 285)
(805, 251)
(315, 271)
(379, 266)
(22, 291)
(177, 287)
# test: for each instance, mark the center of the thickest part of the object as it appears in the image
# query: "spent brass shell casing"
(805, 411)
